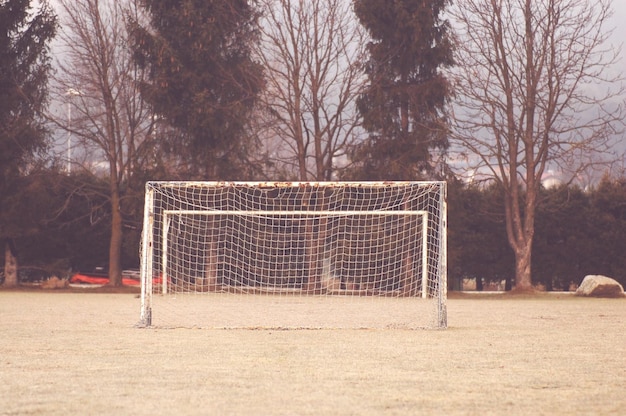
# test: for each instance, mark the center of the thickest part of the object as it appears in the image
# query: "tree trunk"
(520, 229)
(523, 281)
(10, 265)
(211, 266)
(115, 245)
(314, 280)
(409, 283)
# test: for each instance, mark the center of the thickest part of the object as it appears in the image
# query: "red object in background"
(100, 280)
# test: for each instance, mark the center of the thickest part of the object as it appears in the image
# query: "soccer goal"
(294, 255)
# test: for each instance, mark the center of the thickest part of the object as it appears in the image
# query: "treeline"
(62, 223)
(577, 232)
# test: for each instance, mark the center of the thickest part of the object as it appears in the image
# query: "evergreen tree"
(403, 107)
(606, 232)
(24, 66)
(203, 80)
(477, 245)
(560, 250)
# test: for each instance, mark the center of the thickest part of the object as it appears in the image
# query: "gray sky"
(618, 21)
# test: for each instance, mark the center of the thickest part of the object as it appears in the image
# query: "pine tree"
(403, 107)
(203, 81)
(24, 67)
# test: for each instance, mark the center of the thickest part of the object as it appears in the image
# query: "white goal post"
(294, 254)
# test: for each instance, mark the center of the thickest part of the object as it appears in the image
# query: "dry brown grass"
(64, 352)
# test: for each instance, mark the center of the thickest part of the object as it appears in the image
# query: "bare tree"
(98, 78)
(311, 51)
(536, 91)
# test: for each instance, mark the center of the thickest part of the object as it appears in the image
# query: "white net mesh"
(284, 255)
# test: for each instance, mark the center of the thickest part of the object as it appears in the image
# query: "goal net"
(294, 255)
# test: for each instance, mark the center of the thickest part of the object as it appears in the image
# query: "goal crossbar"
(298, 213)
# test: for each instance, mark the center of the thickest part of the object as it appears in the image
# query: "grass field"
(65, 353)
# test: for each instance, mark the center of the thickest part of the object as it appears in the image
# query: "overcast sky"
(618, 21)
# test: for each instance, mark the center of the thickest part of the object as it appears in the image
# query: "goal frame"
(147, 271)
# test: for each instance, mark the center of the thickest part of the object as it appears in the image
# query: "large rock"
(600, 287)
